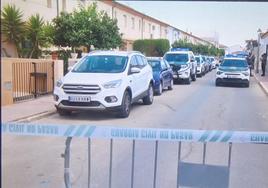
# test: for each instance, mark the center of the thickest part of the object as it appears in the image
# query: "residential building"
(133, 24)
(264, 43)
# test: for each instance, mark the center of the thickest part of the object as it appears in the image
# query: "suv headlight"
(59, 83)
(219, 72)
(112, 84)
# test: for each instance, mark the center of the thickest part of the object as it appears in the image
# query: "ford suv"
(105, 80)
(183, 65)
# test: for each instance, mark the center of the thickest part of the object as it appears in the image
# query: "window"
(140, 61)
(149, 27)
(133, 62)
(234, 63)
(143, 26)
(153, 27)
(167, 64)
(133, 23)
(139, 25)
(178, 58)
(163, 65)
(125, 20)
(101, 64)
(49, 4)
(145, 62)
(155, 64)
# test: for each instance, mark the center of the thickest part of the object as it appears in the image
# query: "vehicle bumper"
(232, 80)
(97, 101)
(181, 75)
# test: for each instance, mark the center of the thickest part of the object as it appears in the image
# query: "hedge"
(152, 47)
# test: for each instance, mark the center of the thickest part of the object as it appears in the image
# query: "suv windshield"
(101, 64)
(177, 58)
(234, 63)
(156, 66)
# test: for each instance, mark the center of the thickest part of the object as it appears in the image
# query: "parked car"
(206, 63)
(183, 65)
(213, 62)
(200, 70)
(105, 80)
(162, 74)
(209, 63)
(233, 70)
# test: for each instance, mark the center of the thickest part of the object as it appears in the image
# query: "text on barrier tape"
(87, 131)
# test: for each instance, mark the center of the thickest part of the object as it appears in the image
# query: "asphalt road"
(30, 162)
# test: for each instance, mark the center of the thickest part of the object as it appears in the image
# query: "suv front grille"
(234, 74)
(91, 103)
(175, 68)
(81, 89)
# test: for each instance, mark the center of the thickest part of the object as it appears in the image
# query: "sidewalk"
(262, 81)
(28, 109)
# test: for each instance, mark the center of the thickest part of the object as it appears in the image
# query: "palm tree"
(35, 34)
(12, 26)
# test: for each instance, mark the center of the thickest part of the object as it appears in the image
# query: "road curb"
(34, 116)
(261, 85)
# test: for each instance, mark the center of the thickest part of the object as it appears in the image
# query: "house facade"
(133, 24)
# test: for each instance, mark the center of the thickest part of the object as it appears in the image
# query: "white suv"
(183, 64)
(105, 80)
(233, 70)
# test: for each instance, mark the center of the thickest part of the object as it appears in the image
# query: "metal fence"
(32, 79)
(134, 134)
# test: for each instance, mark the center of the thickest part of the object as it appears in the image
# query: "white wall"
(30, 7)
(263, 43)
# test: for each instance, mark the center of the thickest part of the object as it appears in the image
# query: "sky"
(232, 22)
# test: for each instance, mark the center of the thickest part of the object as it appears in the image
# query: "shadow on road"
(98, 115)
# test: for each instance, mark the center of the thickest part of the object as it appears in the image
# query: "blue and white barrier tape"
(86, 131)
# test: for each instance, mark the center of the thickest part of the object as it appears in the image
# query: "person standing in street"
(263, 63)
(251, 60)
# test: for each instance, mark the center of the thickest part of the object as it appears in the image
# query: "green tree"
(85, 27)
(152, 47)
(36, 35)
(107, 28)
(64, 30)
(198, 48)
(12, 26)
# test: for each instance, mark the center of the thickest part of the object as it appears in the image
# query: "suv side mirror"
(135, 70)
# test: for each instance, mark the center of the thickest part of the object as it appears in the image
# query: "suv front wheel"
(149, 98)
(125, 106)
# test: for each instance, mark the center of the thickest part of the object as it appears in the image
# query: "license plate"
(175, 76)
(79, 98)
(232, 76)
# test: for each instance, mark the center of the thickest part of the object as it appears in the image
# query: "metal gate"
(32, 79)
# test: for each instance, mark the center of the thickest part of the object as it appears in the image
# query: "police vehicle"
(233, 70)
(183, 64)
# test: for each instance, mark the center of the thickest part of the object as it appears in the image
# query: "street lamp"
(258, 50)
